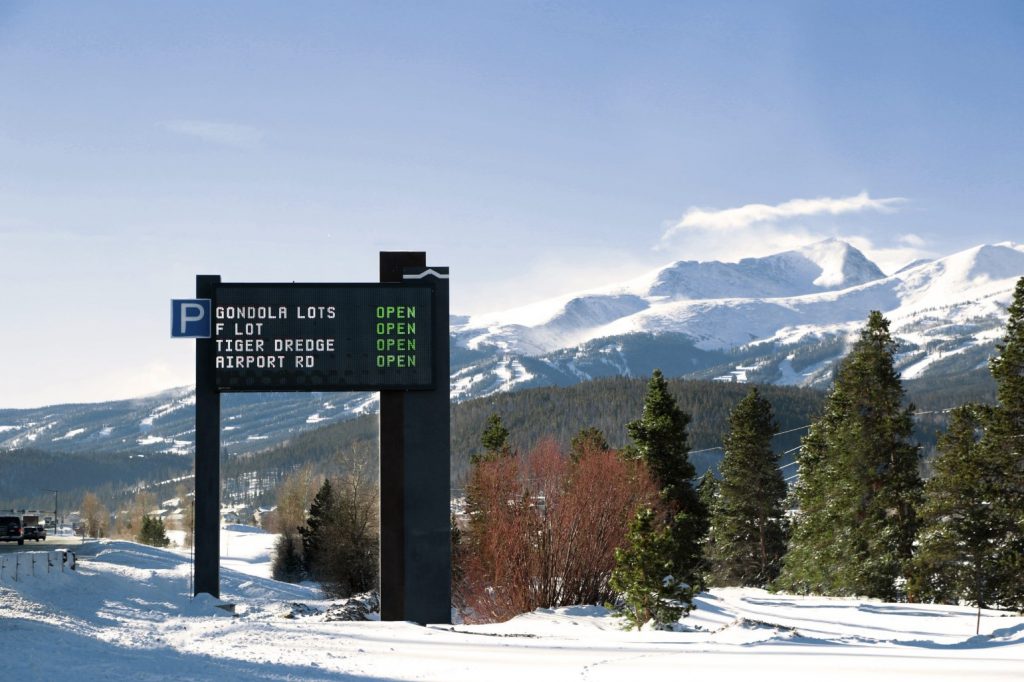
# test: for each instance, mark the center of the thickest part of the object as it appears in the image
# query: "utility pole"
(56, 518)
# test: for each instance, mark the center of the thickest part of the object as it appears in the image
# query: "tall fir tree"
(661, 442)
(859, 483)
(957, 548)
(1003, 445)
(748, 516)
(1007, 367)
(316, 533)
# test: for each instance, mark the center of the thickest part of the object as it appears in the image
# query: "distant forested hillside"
(28, 476)
(609, 404)
(532, 414)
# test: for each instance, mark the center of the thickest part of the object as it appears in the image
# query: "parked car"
(11, 530)
(36, 533)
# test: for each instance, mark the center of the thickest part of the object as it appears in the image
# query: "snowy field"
(125, 614)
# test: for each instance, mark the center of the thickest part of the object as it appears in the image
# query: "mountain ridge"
(947, 315)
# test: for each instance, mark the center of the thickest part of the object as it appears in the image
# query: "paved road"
(76, 544)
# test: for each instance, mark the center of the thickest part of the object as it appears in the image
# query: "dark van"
(10, 529)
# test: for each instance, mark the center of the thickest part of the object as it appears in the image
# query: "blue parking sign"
(191, 318)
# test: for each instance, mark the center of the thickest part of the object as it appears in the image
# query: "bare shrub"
(95, 518)
(543, 529)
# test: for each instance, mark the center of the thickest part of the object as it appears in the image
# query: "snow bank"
(127, 612)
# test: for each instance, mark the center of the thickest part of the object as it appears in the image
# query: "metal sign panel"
(322, 337)
(190, 318)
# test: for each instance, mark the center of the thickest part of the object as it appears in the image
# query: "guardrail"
(20, 565)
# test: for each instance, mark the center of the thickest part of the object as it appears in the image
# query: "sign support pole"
(207, 472)
(415, 452)
(392, 467)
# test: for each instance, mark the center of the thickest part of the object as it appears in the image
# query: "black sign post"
(415, 447)
(390, 337)
(206, 538)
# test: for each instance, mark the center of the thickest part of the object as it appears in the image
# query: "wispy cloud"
(755, 230)
(742, 217)
(224, 134)
(911, 240)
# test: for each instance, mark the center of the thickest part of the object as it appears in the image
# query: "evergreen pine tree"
(858, 480)
(644, 576)
(316, 533)
(707, 492)
(1003, 447)
(957, 543)
(1007, 367)
(748, 516)
(495, 439)
(287, 564)
(660, 440)
(152, 532)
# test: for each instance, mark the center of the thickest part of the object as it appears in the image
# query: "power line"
(694, 452)
(799, 428)
(805, 426)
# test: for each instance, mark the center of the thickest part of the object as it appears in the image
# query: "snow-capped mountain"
(782, 319)
(664, 300)
(165, 422)
(768, 316)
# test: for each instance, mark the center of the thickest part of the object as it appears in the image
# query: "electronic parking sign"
(391, 337)
(322, 337)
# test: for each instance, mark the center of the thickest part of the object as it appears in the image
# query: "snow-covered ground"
(126, 614)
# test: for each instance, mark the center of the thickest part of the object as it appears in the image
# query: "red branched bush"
(542, 530)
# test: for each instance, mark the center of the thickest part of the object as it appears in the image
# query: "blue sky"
(533, 147)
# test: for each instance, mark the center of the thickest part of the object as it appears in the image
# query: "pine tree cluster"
(866, 525)
(971, 542)
(152, 532)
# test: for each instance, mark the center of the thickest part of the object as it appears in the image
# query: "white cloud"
(911, 240)
(743, 217)
(750, 231)
(225, 134)
(749, 242)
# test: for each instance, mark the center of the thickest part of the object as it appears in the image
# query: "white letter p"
(191, 312)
